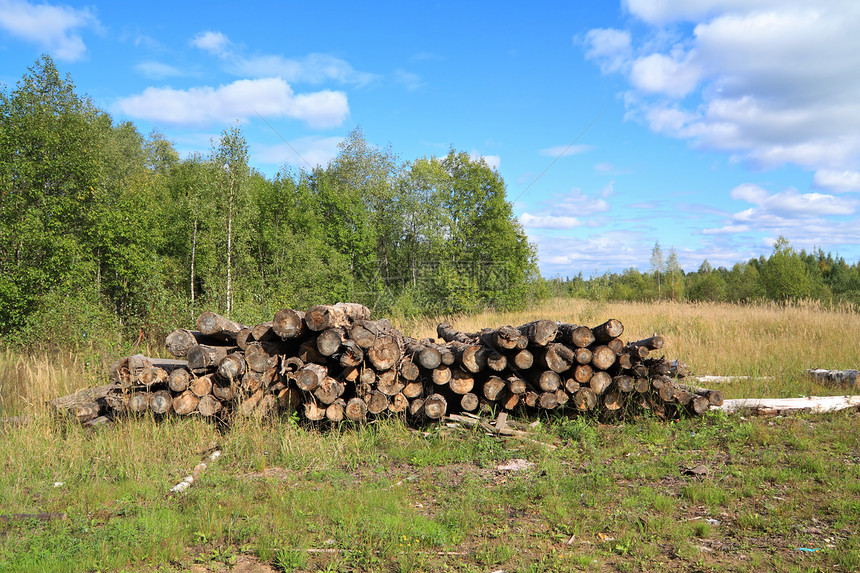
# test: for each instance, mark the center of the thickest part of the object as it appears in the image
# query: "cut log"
(416, 407)
(336, 411)
(414, 389)
(321, 317)
(203, 358)
(583, 373)
(244, 337)
(461, 381)
(364, 332)
(289, 324)
(408, 370)
(844, 378)
(85, 412)
(310, 376)
(329, 390)
(356, 410)
(447, 333)
(641, 385)
(139, 402)
(231, 368)
(612, 400)
(97, 394)
(515, 384)
(585, 399)
(546, 380)
(503, 338)
(579, 336)
(624, 383)
(261, 356)
(367, 377)
(435, 406)
(225, 393)
(602, 357)
(539, 332)
(471, 356)
(398, 403)
(308, 352)
(493, 388)
(180, 341)
(469, 402)
(562, 397)
(313, 412)
(209, 405)
(571, 385)
(126, 370)
(427, 356)
(290, 364)
(556, 357)
(185, 403)
(252, 381)
(495, 361)
(385, 352)
(582, 355)
(547, 400)
(376, 401)
(522, 360)
(510, 401)
(289, 398)
(389, 383)
(441, 376)
(201, 386)
(161, 403)
(617, 345)
(264, 331)
(330, 339)
(213, 324)
(599, 382)
(610, 329)
(699, 405)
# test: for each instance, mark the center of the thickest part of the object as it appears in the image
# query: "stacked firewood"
(334, 363)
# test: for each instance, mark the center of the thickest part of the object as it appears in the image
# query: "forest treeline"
(109, 236)
(785, 275)
(105, 232)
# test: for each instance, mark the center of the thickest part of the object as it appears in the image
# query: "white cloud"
(269, 97)
(727, 229)
(790, 203)
(408, 80)
(565, 150)
(492, 161)
(215, 43)
(53, 28)
(304, 153)
(771, 82)
(839, 181)
(312, 68)
(158, 70)
(549, 221)
(609, 47)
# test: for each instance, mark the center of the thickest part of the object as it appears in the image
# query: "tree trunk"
(441, 376)
(356, 410)
(351, 355)
(310, 376)
(461, 381)
(185, 403)
(435, 406)
(471, 356)
(180, 341)
(539, 332)
(388, 382)
(546, 380)
(469, 402)
(428, 357)
(522, 360)
(321, 317)
(578, 336)
(610, 329)
(504, 338)
(447, 333)
(602, 357)
(585, 399)
(364, 332)
(599, 382)
(385, 352)
(289, 324)
(209, 405)
(556, 357)
(203, 358)
(161, 402)
(260, 356)
(493, 388)
(231, 368)
(330, 339)
(213, 324)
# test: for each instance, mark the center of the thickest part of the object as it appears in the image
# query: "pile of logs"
(333, 363)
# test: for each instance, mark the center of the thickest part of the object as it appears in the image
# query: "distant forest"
(108, 236)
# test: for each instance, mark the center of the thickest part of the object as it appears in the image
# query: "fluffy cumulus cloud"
(268, 97)
(492, 161)
(772, 82)
(55, 29)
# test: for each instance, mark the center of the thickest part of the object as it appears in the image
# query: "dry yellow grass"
(773, 344)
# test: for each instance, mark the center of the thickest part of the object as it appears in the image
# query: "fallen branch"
(196, 473)
(773, 406)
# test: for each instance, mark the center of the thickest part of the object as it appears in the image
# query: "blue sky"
(711, 126)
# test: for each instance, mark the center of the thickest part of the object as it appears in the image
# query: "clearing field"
(719, 493)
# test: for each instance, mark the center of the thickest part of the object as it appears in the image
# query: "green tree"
(657, 266)
(785, 275)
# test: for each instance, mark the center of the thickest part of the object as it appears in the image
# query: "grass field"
(779, 494)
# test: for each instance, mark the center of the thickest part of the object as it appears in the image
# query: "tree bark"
(471, 356)
(179, 341)
(539, 332)
(213, 324)
(503, 338)
(610, 329)
(556, 357)
(364, 332)
(321, 317)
